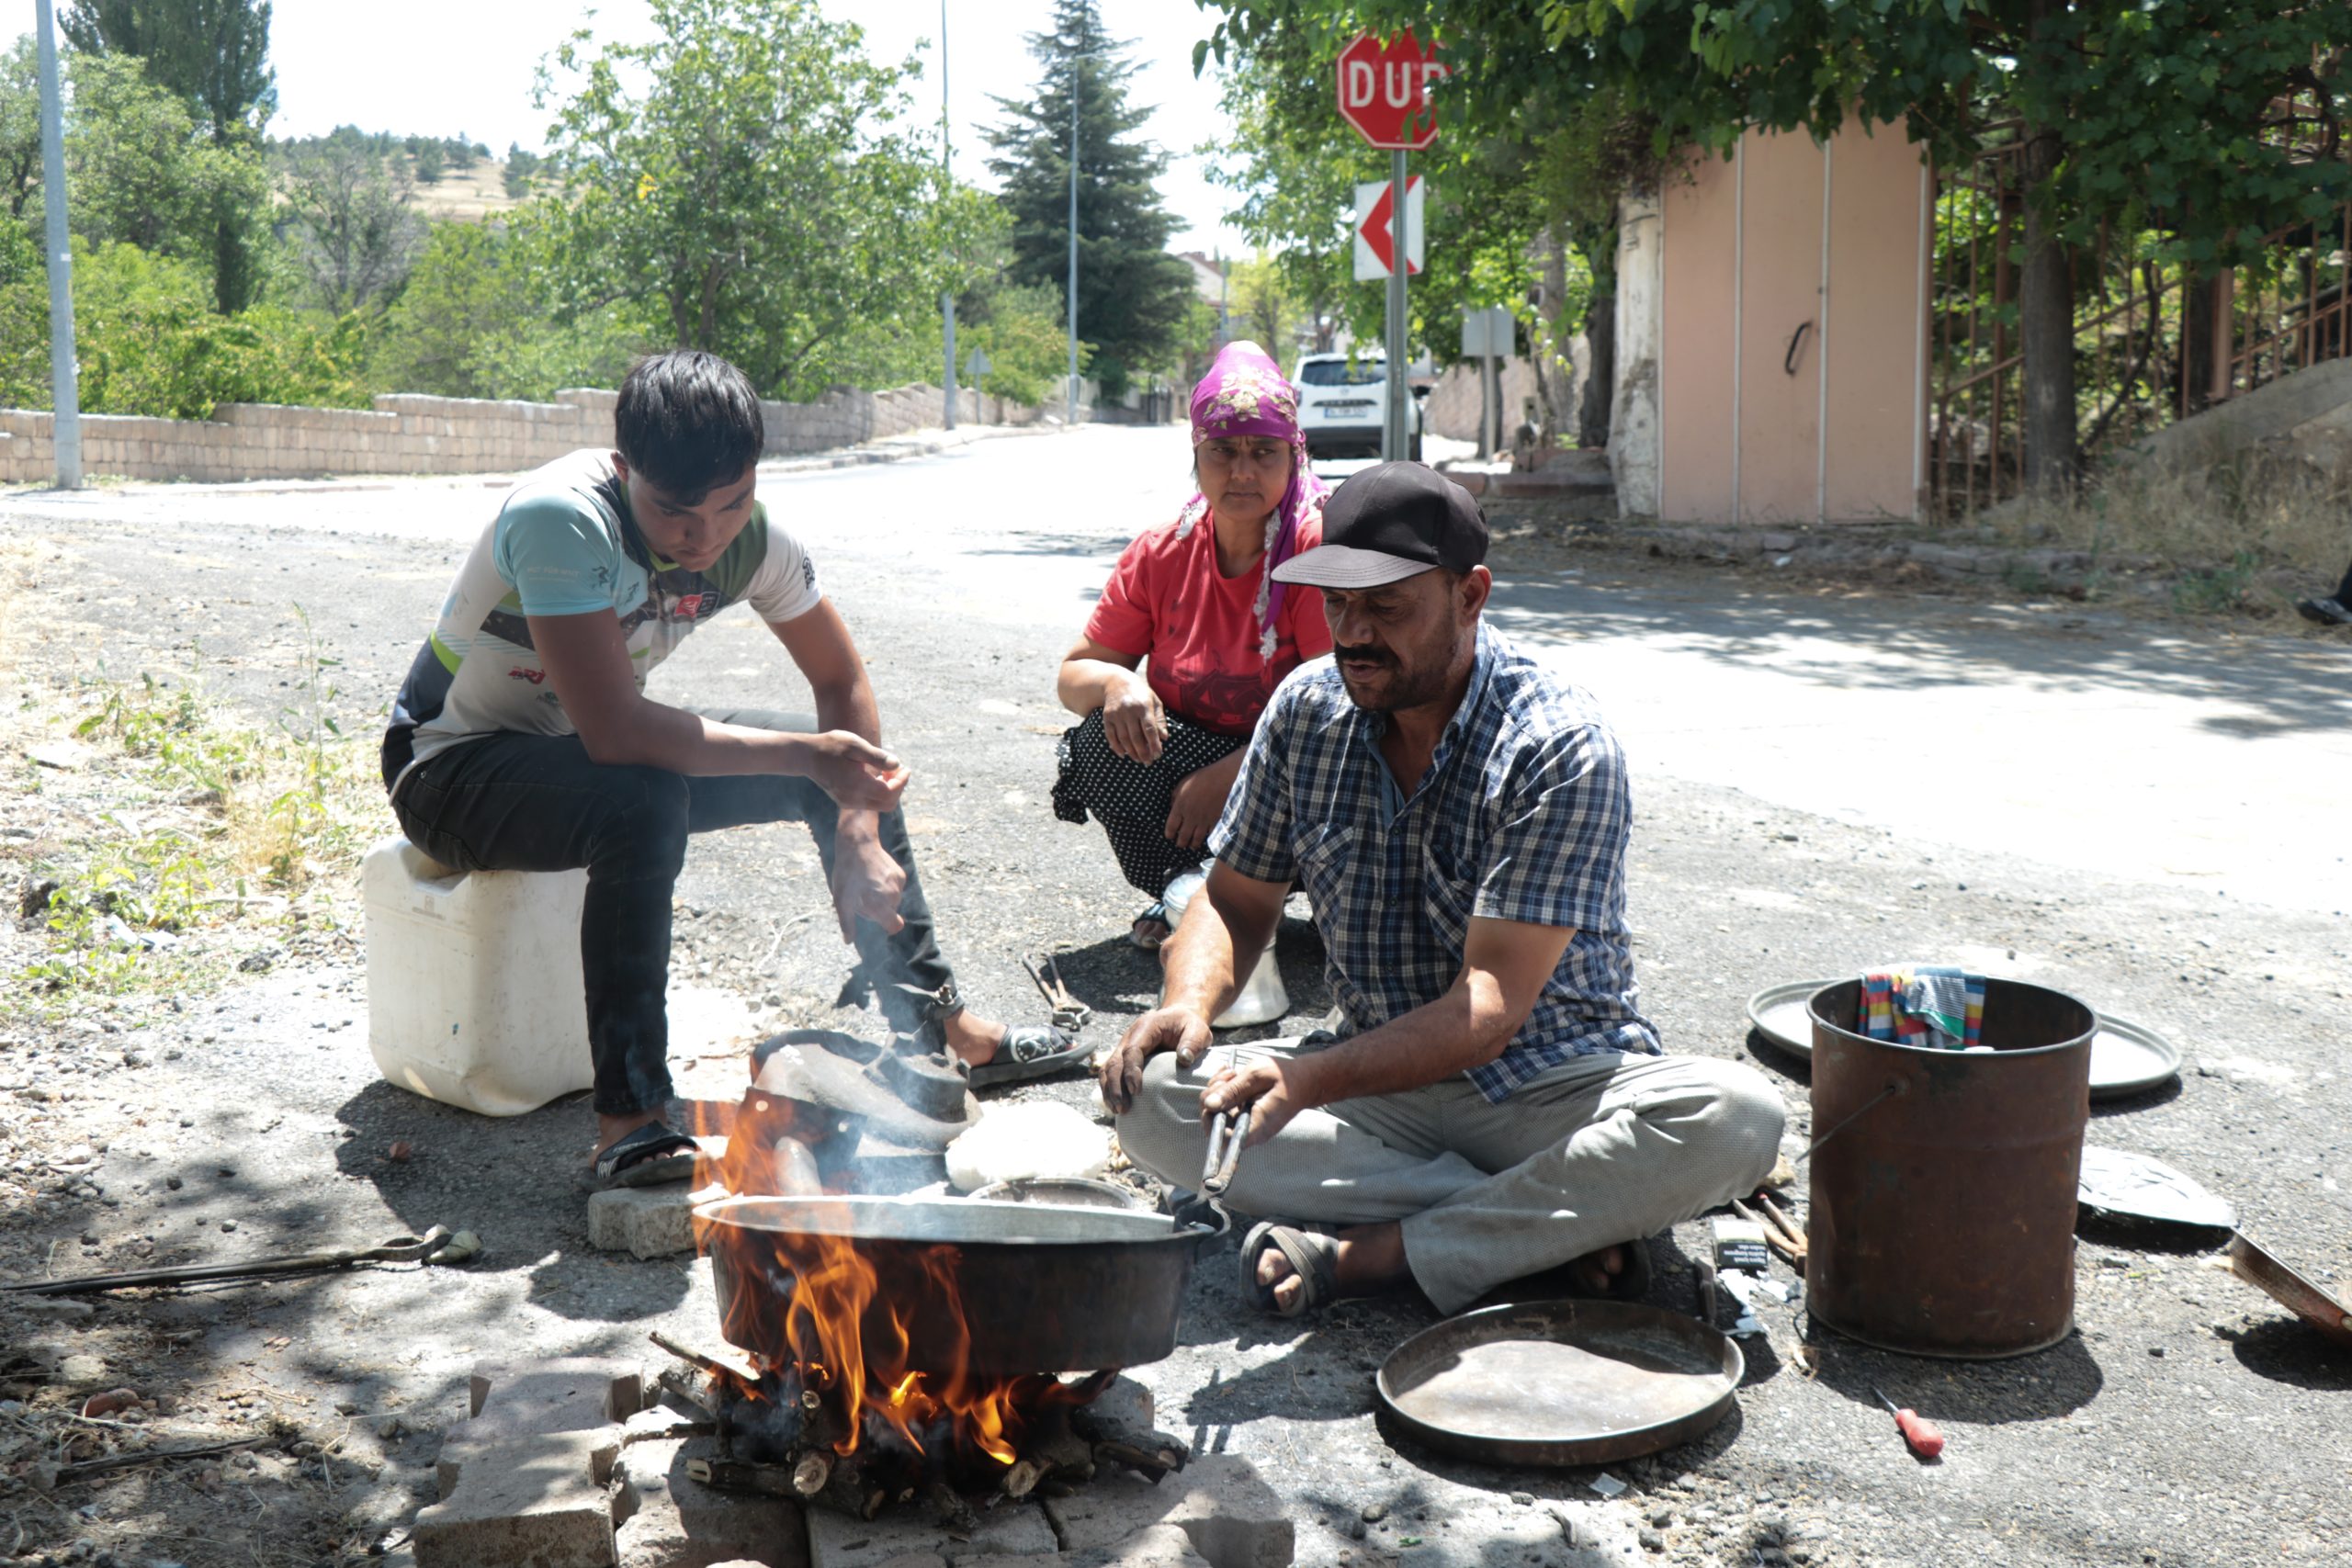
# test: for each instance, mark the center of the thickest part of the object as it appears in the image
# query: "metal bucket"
(1943, 1187)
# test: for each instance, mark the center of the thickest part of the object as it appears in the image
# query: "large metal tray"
(1561, 1383)
(2127, 1059)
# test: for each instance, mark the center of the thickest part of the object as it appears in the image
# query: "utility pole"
(947, 181)
(1069, 403)
(66, 390)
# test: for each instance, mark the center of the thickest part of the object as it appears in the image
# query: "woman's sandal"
(655, 1153)
(1314, 1257)
(1157, 915)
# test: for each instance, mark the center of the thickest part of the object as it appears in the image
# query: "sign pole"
(947, 179)
(1393, 442)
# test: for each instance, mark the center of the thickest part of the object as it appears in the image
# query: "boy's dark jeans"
(513, 802)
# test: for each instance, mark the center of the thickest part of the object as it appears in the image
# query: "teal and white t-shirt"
(564, 544)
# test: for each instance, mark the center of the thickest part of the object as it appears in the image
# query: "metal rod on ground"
(1393, 443)
(65, 378)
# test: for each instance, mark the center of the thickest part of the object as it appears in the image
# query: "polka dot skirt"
(1131, 799)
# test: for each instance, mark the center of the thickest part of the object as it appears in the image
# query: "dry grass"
(2252, 536)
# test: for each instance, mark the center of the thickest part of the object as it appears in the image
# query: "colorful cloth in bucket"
(1935, 1006)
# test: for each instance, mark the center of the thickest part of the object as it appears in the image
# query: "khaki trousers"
(1601, 1149)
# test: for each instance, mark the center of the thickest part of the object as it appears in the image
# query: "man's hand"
(1271, 1088)
(867, 884)
(857, 774)
(1195, 803)
(1133, 720)
(1180, 1030)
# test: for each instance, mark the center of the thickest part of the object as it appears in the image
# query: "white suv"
(1343, 400)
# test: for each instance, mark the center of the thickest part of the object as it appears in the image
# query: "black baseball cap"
(1387, 523)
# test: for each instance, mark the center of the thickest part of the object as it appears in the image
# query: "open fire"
(862, 1388)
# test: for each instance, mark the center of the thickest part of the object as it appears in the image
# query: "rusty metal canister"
(1943, 1182)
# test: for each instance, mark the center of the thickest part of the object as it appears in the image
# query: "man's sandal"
(1027, 1051)
(655, 1153)
(1153, 915)
(1314, 1257)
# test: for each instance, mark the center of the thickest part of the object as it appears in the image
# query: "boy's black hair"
(687, 420)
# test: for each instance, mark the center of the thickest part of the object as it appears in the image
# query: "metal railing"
(2153, 342)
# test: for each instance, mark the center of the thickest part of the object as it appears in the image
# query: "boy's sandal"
(1029, 1051)
(1156, 914)
(655, 1153)
(1314, 1257)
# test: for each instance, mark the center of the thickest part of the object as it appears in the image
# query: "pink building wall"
(1792, 356)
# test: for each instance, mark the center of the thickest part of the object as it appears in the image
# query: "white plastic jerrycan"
(1263, 998)
(474, 994)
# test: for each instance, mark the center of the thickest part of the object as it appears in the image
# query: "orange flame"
(842, 1324)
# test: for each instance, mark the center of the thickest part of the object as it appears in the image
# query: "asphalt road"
(2150, 821)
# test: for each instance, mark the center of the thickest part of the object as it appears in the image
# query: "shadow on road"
(1903, 646)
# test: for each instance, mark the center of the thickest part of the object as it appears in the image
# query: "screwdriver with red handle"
(1919, 1434)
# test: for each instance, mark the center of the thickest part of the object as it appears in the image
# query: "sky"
(438, 67)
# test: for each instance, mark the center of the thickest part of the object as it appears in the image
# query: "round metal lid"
(2127, 1059)
(1561, 1383)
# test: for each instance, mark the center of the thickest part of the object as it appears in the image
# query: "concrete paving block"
(670, 1520)
(1232, 1516)
(1009, 1529)
(543, 1512)
(554, 1395)
(648, 1221)
(463, 1452)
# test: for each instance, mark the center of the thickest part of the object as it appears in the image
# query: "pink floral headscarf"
(1244, 394)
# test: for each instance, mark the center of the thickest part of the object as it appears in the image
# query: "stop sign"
(1385, 90)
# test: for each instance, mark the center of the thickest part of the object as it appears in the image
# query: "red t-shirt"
(1196, 629)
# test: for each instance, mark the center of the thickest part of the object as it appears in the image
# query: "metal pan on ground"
(1563, 1383)
(2119, 1183)
(2258, 1265)
(2127, 1059)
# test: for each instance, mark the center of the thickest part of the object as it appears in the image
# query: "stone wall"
(410, 434)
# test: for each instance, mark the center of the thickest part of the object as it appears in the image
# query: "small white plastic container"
(1263, 998)
(474, 993)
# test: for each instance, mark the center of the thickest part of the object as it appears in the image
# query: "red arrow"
(1379, 226)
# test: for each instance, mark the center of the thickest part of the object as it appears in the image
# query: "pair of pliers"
(1228, 1130)
(1070, 1015)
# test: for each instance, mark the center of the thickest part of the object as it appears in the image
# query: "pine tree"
(1131, 295)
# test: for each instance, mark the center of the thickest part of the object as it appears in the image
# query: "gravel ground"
(2187, 1422)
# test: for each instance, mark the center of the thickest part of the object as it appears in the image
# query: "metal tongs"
(1070, 1015)
(1228, 1130)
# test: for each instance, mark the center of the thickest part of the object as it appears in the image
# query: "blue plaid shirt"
(1523, 816)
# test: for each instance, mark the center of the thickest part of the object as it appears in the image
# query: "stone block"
(1220, 1501)
(906, 1539)
(542, 1513)
(670, 1520)
(465, 1451)
(561, 1395)
(648, 1221)
(660, 1421)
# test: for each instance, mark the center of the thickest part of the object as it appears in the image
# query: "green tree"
(476, 321)
(356, 226)
(744, 177)
(139, 169)
(24, 321)
(519, 169)
(19, 128)
(1131, 295)
(214, 54)
(149, 343)
(427, 160)
(2194, 118)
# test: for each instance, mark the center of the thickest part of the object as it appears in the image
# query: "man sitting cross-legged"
(1497, 1104)
(523, 739)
